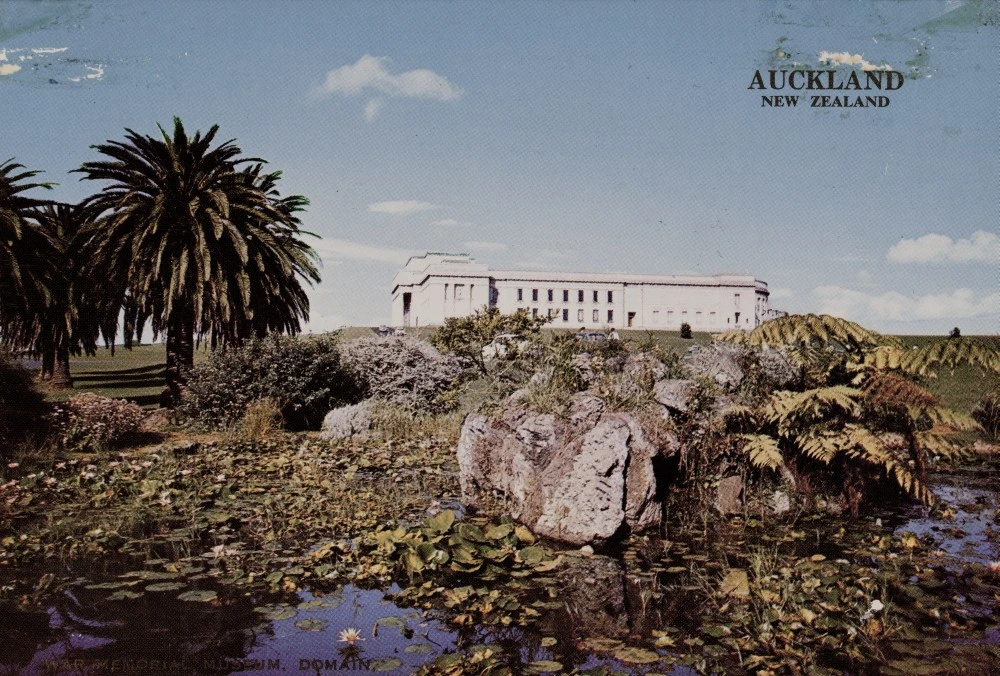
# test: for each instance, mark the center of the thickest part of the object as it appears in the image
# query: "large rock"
(779, 370)
(718, 362)
(579, 479)
(675, 394)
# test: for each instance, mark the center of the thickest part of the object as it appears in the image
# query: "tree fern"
(809, 330)
(762, 450)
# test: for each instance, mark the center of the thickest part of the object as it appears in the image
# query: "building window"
(534, 312)
(579, 296)
(459, 291)
(595, 295)
(579, 314)
(552, 312)
(565, 295)
(611, 296)
(565, 315)
(520, 294)
(534, 294)
(711, 319)
(736, 301)
(670, 317)
(550, 295)
(656, 316)
(597, 315)
(611, 316)
(697, 319)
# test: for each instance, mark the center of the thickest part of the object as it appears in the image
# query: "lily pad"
(636, 655)
(198, 595)
(276, 612)
(165, 586)
(603, 644)
(544, 667)
(311, 625)
(124, 595)
(418, 648)
(385, 664)
(390, 621)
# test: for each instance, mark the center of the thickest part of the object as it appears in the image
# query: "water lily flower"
(220, 478)
(11, 465)
(994, 566)
(350, 636)
(876, 606)
(165, 498)
(59, 465)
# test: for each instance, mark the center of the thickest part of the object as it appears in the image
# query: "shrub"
(686, 330)
(261, 418)
(90, 422)
(22, 407)
(987, 413)
(472, 340)
(304, 376)
(403, 371)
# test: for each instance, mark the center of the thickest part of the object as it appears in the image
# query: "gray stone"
(727, 496)
(717, 362)
(675, 394)
(779, 370)
(580, 480)
(347, 421)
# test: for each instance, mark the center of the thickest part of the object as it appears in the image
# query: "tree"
(79, 310)
(27, 257)
(200, 242)
(955, 333)
(466, 337)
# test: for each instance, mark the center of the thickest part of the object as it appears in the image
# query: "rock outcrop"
(579, 479)
(717, 362)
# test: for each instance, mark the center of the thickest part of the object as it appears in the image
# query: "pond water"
(657, 595)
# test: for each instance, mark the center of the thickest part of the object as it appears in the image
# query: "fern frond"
(946, 417)
(821, 446)
(792, 411)
(763, 450)
(863, 445)
(809, 329)
(740, 418)
(941, 446)
(949, 353)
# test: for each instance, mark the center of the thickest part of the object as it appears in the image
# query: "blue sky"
(602, 136)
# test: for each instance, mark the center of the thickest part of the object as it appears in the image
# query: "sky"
(590, 136)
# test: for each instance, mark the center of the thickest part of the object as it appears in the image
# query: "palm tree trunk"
(61, 378)
(48, 361)
(180, 353)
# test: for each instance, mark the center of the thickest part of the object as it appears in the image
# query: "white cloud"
(339, 249)
(781, 292)
(371, 73)
(324, 323)
(372, 109)
(894, 306)
(848, 59)
(48, 50)
(9, 68)
(446, 221)
(864, 276)
(485, 246)
(981, 247)
(400, 207)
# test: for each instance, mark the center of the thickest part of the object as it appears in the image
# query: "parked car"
(592, 337)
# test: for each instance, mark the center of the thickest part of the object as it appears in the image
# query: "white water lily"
(875, 607)
(350, 636)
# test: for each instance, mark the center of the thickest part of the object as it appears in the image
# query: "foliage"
(22, 406)
(261, 419)
(402, 371)
(987, 413)
(686, 330)
(303, 375)
(466, 338)
(955, 333)
(90, 422)
(27, 258)
(196, 239)
(947, 353)
(810, 330)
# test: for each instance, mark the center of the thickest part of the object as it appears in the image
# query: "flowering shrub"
(90, 422)
(402, 370)
(302, 375)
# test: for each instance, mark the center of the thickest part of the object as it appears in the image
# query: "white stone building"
(435, 286)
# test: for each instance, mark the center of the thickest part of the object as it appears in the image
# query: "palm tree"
(27, 257)
(80, 310)
(200, 244)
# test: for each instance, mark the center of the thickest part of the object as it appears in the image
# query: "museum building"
(432, 287)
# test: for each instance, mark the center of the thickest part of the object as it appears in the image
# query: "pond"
(905, 591)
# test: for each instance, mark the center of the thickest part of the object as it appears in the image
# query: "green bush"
(987, 413)
(686, 330)
(304, 376)
(22, 407)
(90, 422)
